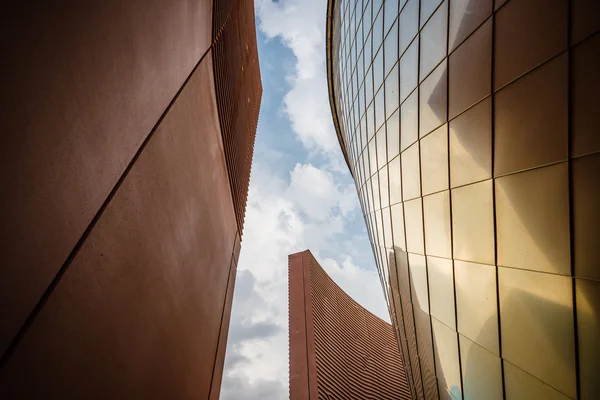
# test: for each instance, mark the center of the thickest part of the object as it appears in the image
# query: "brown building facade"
(338, 350)
(468, 126)
(127, 136)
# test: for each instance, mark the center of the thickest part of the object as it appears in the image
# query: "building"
(468, 126)
(338, 350)
(127, 137)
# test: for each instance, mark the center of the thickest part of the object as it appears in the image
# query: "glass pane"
(436, 209)
(476, 302)
(433, 40)
(434, 161)
(482, 372)
(531, 119)
(411, 174)
(473, 223)
(526, 37)
(532, 220)
(536, 312)
(441, 289)
(471, 145)
(433, 102)
(471, 71)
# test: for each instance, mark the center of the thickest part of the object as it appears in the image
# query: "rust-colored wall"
(239, 89)
(120, 236)
(355, 353)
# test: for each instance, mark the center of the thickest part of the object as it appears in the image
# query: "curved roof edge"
(329, 58)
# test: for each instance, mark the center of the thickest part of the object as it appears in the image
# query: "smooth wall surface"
(469, 130)
(121, 233)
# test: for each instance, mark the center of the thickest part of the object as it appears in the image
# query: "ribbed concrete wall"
(338, 350)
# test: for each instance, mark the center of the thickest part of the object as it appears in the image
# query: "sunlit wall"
(468, 126)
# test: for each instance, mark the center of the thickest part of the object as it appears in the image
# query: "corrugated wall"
(355, 352)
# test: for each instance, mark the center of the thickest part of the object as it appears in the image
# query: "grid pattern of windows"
(468, 126)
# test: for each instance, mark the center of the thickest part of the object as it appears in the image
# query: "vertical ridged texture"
(238, 88)
(355, 353)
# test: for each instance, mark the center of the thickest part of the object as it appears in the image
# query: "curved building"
(470, 129)
(338, 350)
(127, 137)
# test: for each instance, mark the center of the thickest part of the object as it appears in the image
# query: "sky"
(301, 196)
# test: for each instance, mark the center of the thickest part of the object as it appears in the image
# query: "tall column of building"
(468, 126)
(127, 137)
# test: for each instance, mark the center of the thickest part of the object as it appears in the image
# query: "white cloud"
(312, 206)
(317, 193)
(300, 24)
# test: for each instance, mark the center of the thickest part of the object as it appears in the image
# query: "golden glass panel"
(383, 187)
(530, 119)
(436, 210)
(473, 223)
(465, 16)
(369, 194)
(433, 100)
(471, 145)
(409, 121)
(392, 92)
(409, 21)
(411, 174)
(387, 228)
(434, 161)
(586, 215)
(409, 63)
(379, 109)
(413, 220)
(476, 303)
(585, 86)
(403, 277)
(441, 290)
(588, 333)
(381, 148)
(481, 371)
(398, 226)
(369, 96)
(526, 37)
(376, 197)
(425, 343)
(418, 281)
(445, 344)
(433, 40)
(532, 220)
(522, 386)
(395, 181)
(379, 227)
(470, 71)
(372, 157)
(393, 135)
(536, 313)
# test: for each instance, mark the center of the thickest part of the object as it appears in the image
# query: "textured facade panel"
(355, 353)
(84, 84)
(239, 90)
(123, 252)
(497, 151)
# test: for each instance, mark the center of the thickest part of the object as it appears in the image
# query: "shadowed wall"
(123, 195)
